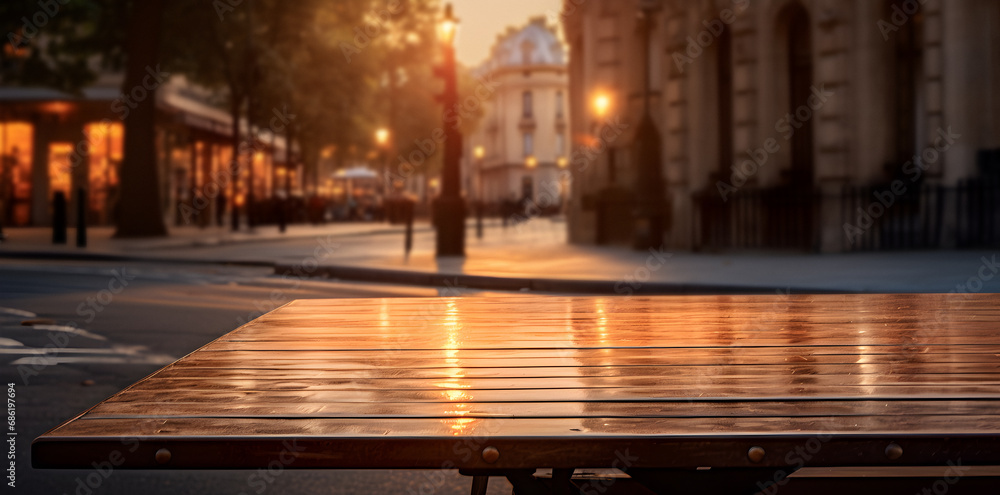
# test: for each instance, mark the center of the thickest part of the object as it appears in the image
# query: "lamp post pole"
(650, 188)
(480, 153)
(449, 209)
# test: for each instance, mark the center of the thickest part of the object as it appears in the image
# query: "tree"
(218, 59)
(73, 33)
(123, 33)
(139, 210)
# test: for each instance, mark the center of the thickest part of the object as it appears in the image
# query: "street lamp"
(382, 140)
(479, 152)
(382, 136)
(602, 103)
(449, 208)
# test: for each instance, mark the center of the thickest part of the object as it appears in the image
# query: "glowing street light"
(448, 26)
(382, 136)
(479, 153)
(602, 104)
(531, 162)
(382, 140)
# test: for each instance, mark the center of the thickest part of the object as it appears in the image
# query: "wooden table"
(754, 387)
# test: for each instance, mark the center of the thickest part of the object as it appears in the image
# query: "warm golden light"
(479, 152)
(105, 156)
(57, 107)
(448, 26)
(531, 162)
(382, 136)
(563, 162)
(602, 103)
(16, 140)
(60, 166)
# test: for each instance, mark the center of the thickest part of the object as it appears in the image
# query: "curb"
(514, 284)
(121, 258)
(441, 280)
(194, 243)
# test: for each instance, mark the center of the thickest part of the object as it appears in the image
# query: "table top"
(674, 381)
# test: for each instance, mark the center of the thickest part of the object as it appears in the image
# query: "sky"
(481, 21)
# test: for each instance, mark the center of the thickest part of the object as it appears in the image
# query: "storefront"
(53, 142)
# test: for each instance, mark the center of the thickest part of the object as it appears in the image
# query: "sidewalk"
(36, 242)
(533, 256)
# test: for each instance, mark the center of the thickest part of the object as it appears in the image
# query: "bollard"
(408, 212)
(282, 211)
(81, 217)
(59, 218)
(479, 219)
(235, 218)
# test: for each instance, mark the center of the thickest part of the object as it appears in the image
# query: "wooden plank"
(939, 353)
(594, 384)
(388, 410)
(664, 393)
(884, 426)
(679, 370)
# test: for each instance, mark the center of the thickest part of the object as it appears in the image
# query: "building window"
(529, 144)
(907, 69)
(560, 145)
(106, 141)
(559, 105)
(60, 166)
(725, 99)
(800, 81)
(527, 105)
(15, 173)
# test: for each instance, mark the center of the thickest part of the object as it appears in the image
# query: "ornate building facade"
(817, 125)
(522, 142)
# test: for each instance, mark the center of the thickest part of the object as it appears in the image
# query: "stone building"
(522, 140)
(808, 124)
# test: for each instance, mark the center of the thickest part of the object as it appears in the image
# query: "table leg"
(525, 483)
(728, 481)
(562, 482)
(480, 484)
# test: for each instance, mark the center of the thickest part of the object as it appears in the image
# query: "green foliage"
(344, 68)
(53, 45)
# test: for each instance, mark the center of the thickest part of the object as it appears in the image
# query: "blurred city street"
(171, 171)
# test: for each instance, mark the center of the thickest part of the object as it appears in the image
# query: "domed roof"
(533, 44)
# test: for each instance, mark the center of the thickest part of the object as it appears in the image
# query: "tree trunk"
(139, 211)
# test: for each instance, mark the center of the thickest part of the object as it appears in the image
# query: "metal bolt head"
(756, 454)
(893, 451)
(491, 454)
(163, 456)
